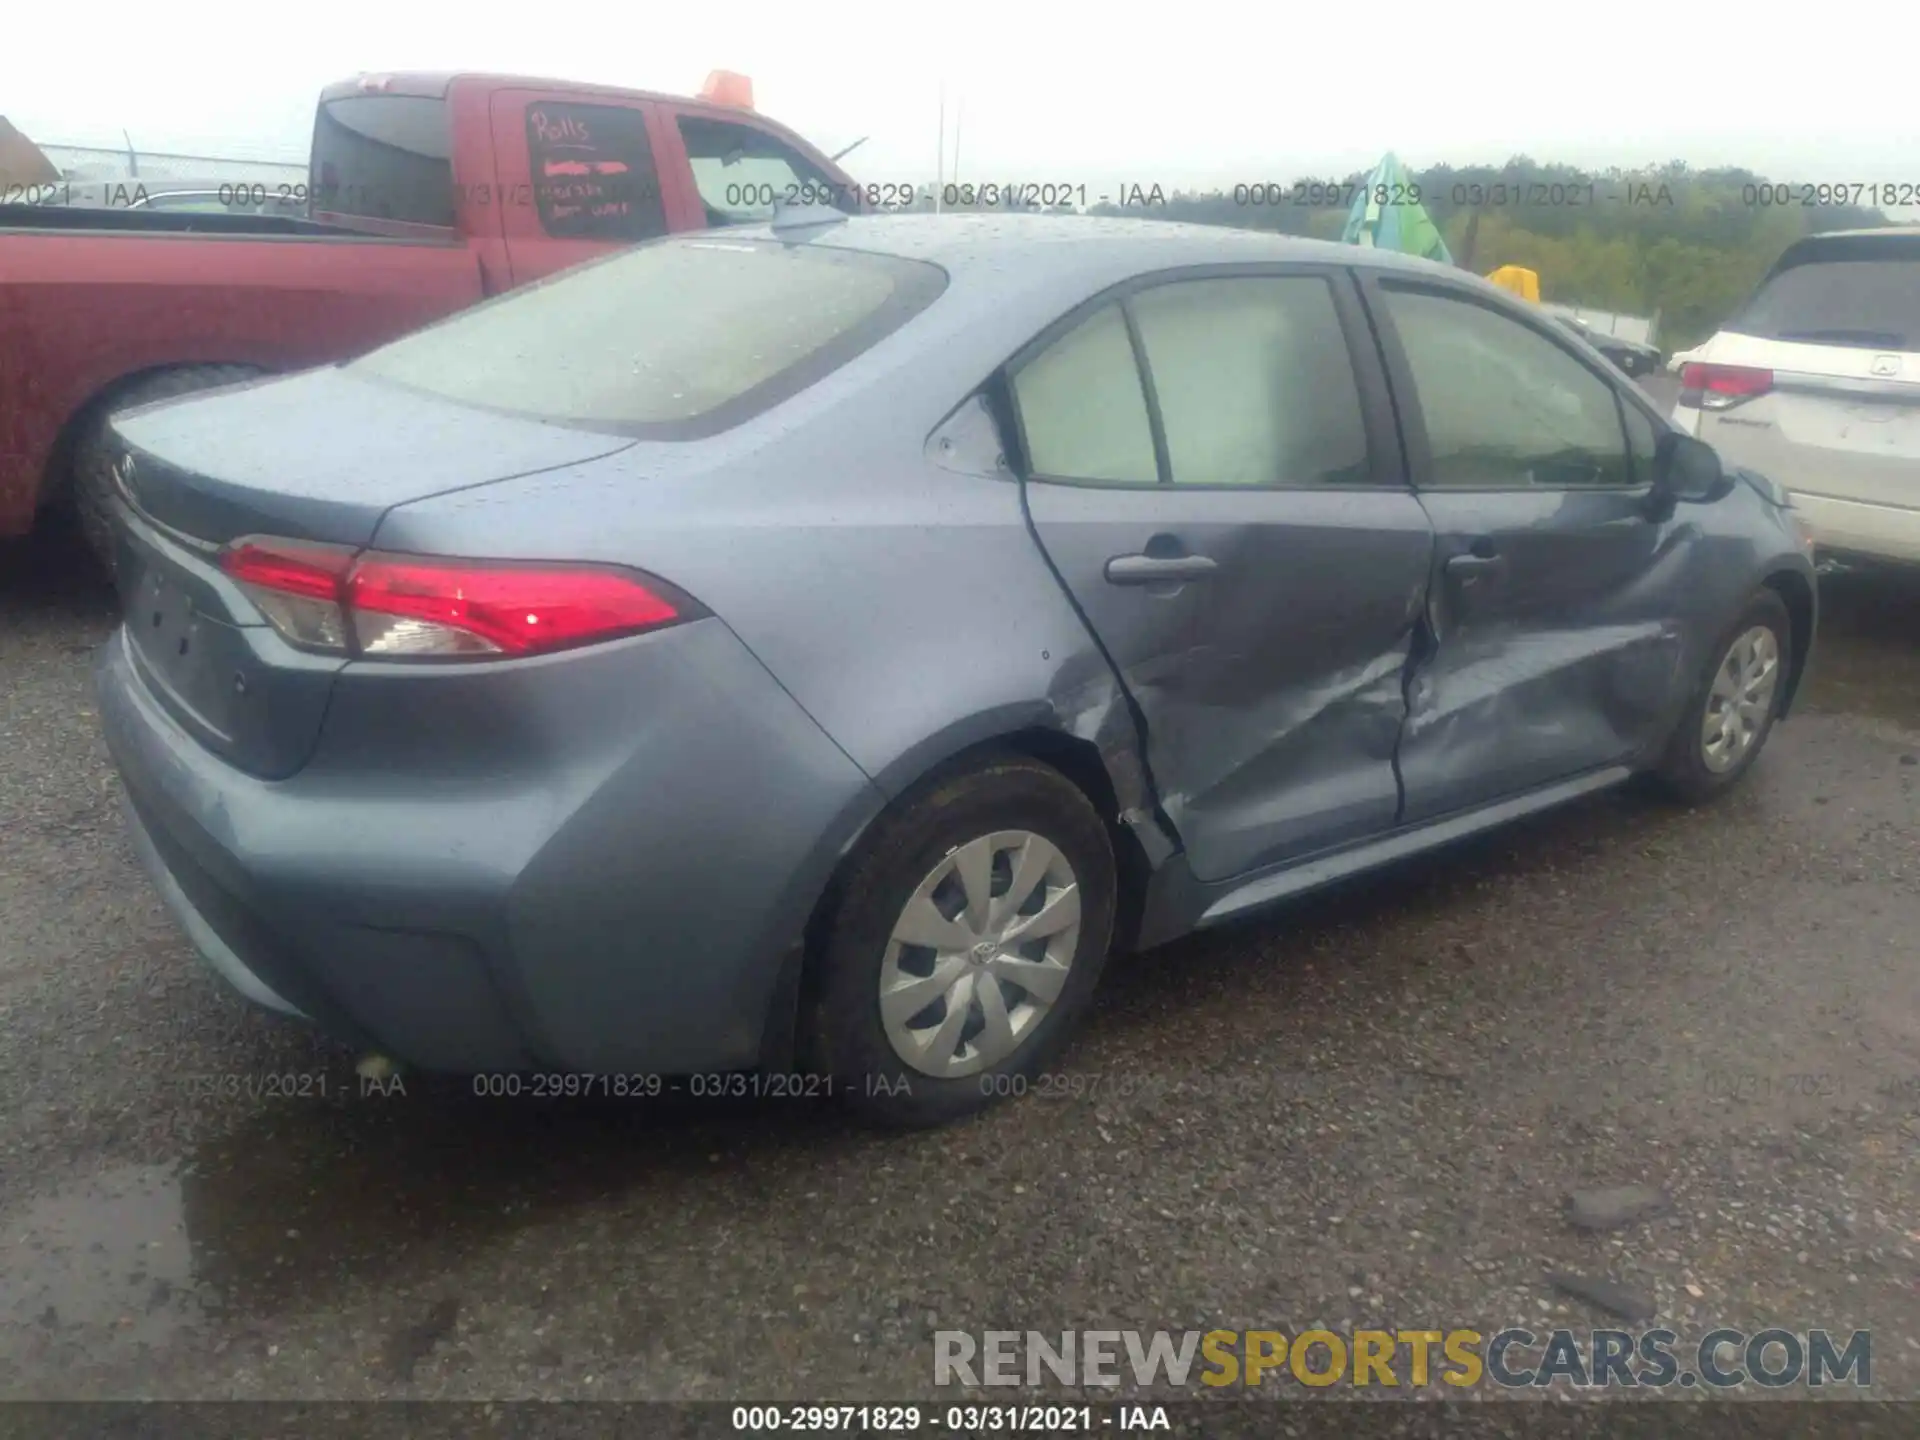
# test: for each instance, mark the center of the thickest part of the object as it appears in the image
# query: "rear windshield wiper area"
(1871, 339)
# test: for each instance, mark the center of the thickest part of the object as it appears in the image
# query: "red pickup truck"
(425, 193)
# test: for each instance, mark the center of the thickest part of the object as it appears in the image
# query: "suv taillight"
(1721, 387)
(406, 607)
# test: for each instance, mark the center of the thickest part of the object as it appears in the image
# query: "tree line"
(1689, 245)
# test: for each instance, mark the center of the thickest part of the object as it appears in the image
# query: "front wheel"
(1733, 708)
(966, 942)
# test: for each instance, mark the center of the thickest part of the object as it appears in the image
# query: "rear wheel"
(966, 942)
(94, 454)
(1734, 706)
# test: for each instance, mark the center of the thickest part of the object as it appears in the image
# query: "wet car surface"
(1364, 1108)
(530, 693)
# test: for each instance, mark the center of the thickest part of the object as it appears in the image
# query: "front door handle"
(1159, 569)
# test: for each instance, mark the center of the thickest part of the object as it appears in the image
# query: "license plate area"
(1883, 428)
(237, 688)
(198, 661)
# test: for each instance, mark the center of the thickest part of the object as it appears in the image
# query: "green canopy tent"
(1388, 216)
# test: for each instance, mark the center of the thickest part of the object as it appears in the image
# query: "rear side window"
(1083, 414)
(669, 340)
(1254, 382)
(593, 172)
(384, 157)
(1871, 301)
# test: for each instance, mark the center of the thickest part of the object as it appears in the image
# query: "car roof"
(435, 85)
(1882, 242)
(1907, 231)
(1097, 250)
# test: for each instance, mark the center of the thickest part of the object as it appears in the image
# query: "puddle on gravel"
(105, 1261)
(300, 1201)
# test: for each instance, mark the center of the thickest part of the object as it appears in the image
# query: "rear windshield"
(672, 339)
(1871, 301)
(385, 157)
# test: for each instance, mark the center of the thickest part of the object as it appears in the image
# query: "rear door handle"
(1472, 567)
(1159, 569)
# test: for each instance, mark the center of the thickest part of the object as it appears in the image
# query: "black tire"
(94, 454)
(845, 1036)
(1683, 771)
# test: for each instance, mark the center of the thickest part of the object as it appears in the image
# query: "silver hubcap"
(980, 954)
(1740, 700)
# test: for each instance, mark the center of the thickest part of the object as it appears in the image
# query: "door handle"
(1472, 567)
(1159, 569)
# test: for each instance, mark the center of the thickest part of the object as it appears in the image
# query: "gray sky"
(1197, 93)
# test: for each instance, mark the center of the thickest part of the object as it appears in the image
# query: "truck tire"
(93, 452)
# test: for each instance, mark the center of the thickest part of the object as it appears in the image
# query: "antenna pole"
(940, 154)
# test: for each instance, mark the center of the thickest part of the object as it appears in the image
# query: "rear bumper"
(1881, 532)
(224, 960)
(595, 863)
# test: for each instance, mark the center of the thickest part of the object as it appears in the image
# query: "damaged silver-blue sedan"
(811, 649)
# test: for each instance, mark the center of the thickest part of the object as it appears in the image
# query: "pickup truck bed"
(426, 194)
(93, 310)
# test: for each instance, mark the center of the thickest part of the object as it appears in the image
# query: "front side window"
(741, 172)
(593, 172)
(1503, 406)
(669, 340)
(1083, 413)
(1254, 381)
(1643, 443)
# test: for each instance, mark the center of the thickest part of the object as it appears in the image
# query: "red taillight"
(289, 567)
(416, 606)
(297, 587)
(1720, 387)
(402, 605)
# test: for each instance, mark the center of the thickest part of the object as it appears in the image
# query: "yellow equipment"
(1521, 281)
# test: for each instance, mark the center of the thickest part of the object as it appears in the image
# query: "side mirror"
(1686, 470)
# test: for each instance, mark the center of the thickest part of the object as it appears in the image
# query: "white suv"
(1816, 384)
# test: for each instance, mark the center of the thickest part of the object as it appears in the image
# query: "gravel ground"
(1367, 1109)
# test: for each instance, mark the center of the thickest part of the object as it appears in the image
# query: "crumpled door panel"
(1565, 658)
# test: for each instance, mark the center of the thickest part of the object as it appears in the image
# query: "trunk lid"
(322, 457)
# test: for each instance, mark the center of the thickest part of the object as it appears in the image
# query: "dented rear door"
(1227, 507)
(1552, 639)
